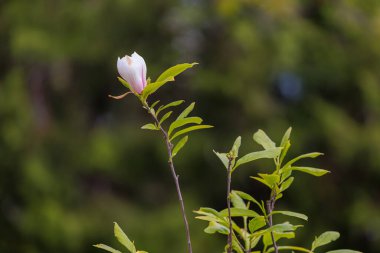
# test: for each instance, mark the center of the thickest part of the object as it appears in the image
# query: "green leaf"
(150, 126)
(324, 238)
(253, 243)
(154, 104)
(311, 171)
(285, 138)
(186, 111)
(262, 138)
(268, 179)
(214, 227)
(209, 218)
(239, 212)
(237, 201)
(153, 87)
(107, 248)
(269, 153)
(292, 214)
(209, 212)
(285, 173)
(235, 246)
(179, 145)
(343, 251)
(125, 83)
(189, 129)
(285, 185)
(123, 238)
(267, 238)
(256, 223)
(283, 227)
(284, 151)
(166, 115)
(308, 155)
(249, 198)
(181, 122)
(223, 157)
(174, 71)
(235, 148)
(174, 103)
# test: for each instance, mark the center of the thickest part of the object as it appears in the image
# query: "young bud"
(133, 70)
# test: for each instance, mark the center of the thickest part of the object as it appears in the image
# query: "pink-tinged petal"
(136, 57)
(133, 70)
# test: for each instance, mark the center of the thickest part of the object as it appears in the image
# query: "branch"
(229, 239)
(270, 208)
(169, 147)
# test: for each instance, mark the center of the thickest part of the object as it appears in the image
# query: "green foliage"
(58, 128)
(179, 145)
(324, 239)
(175, 70)
(123, 240)
(257, 219)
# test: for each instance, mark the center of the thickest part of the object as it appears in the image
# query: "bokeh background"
(72, 160)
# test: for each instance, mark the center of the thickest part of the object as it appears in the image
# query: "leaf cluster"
(258, 233)
(122, 239)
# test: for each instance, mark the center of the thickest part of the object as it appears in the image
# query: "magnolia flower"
(133, 70)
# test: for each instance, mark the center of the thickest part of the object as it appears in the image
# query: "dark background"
(72, 160)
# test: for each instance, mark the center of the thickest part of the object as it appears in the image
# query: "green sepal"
(126, 84)
(174, 71)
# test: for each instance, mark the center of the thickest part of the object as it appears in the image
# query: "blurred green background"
(72, 160)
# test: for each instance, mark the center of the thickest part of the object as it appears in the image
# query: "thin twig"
(229, 239)
(270, 208)
(169, 147)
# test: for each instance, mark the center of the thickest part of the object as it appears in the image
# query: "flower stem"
(169, 147)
